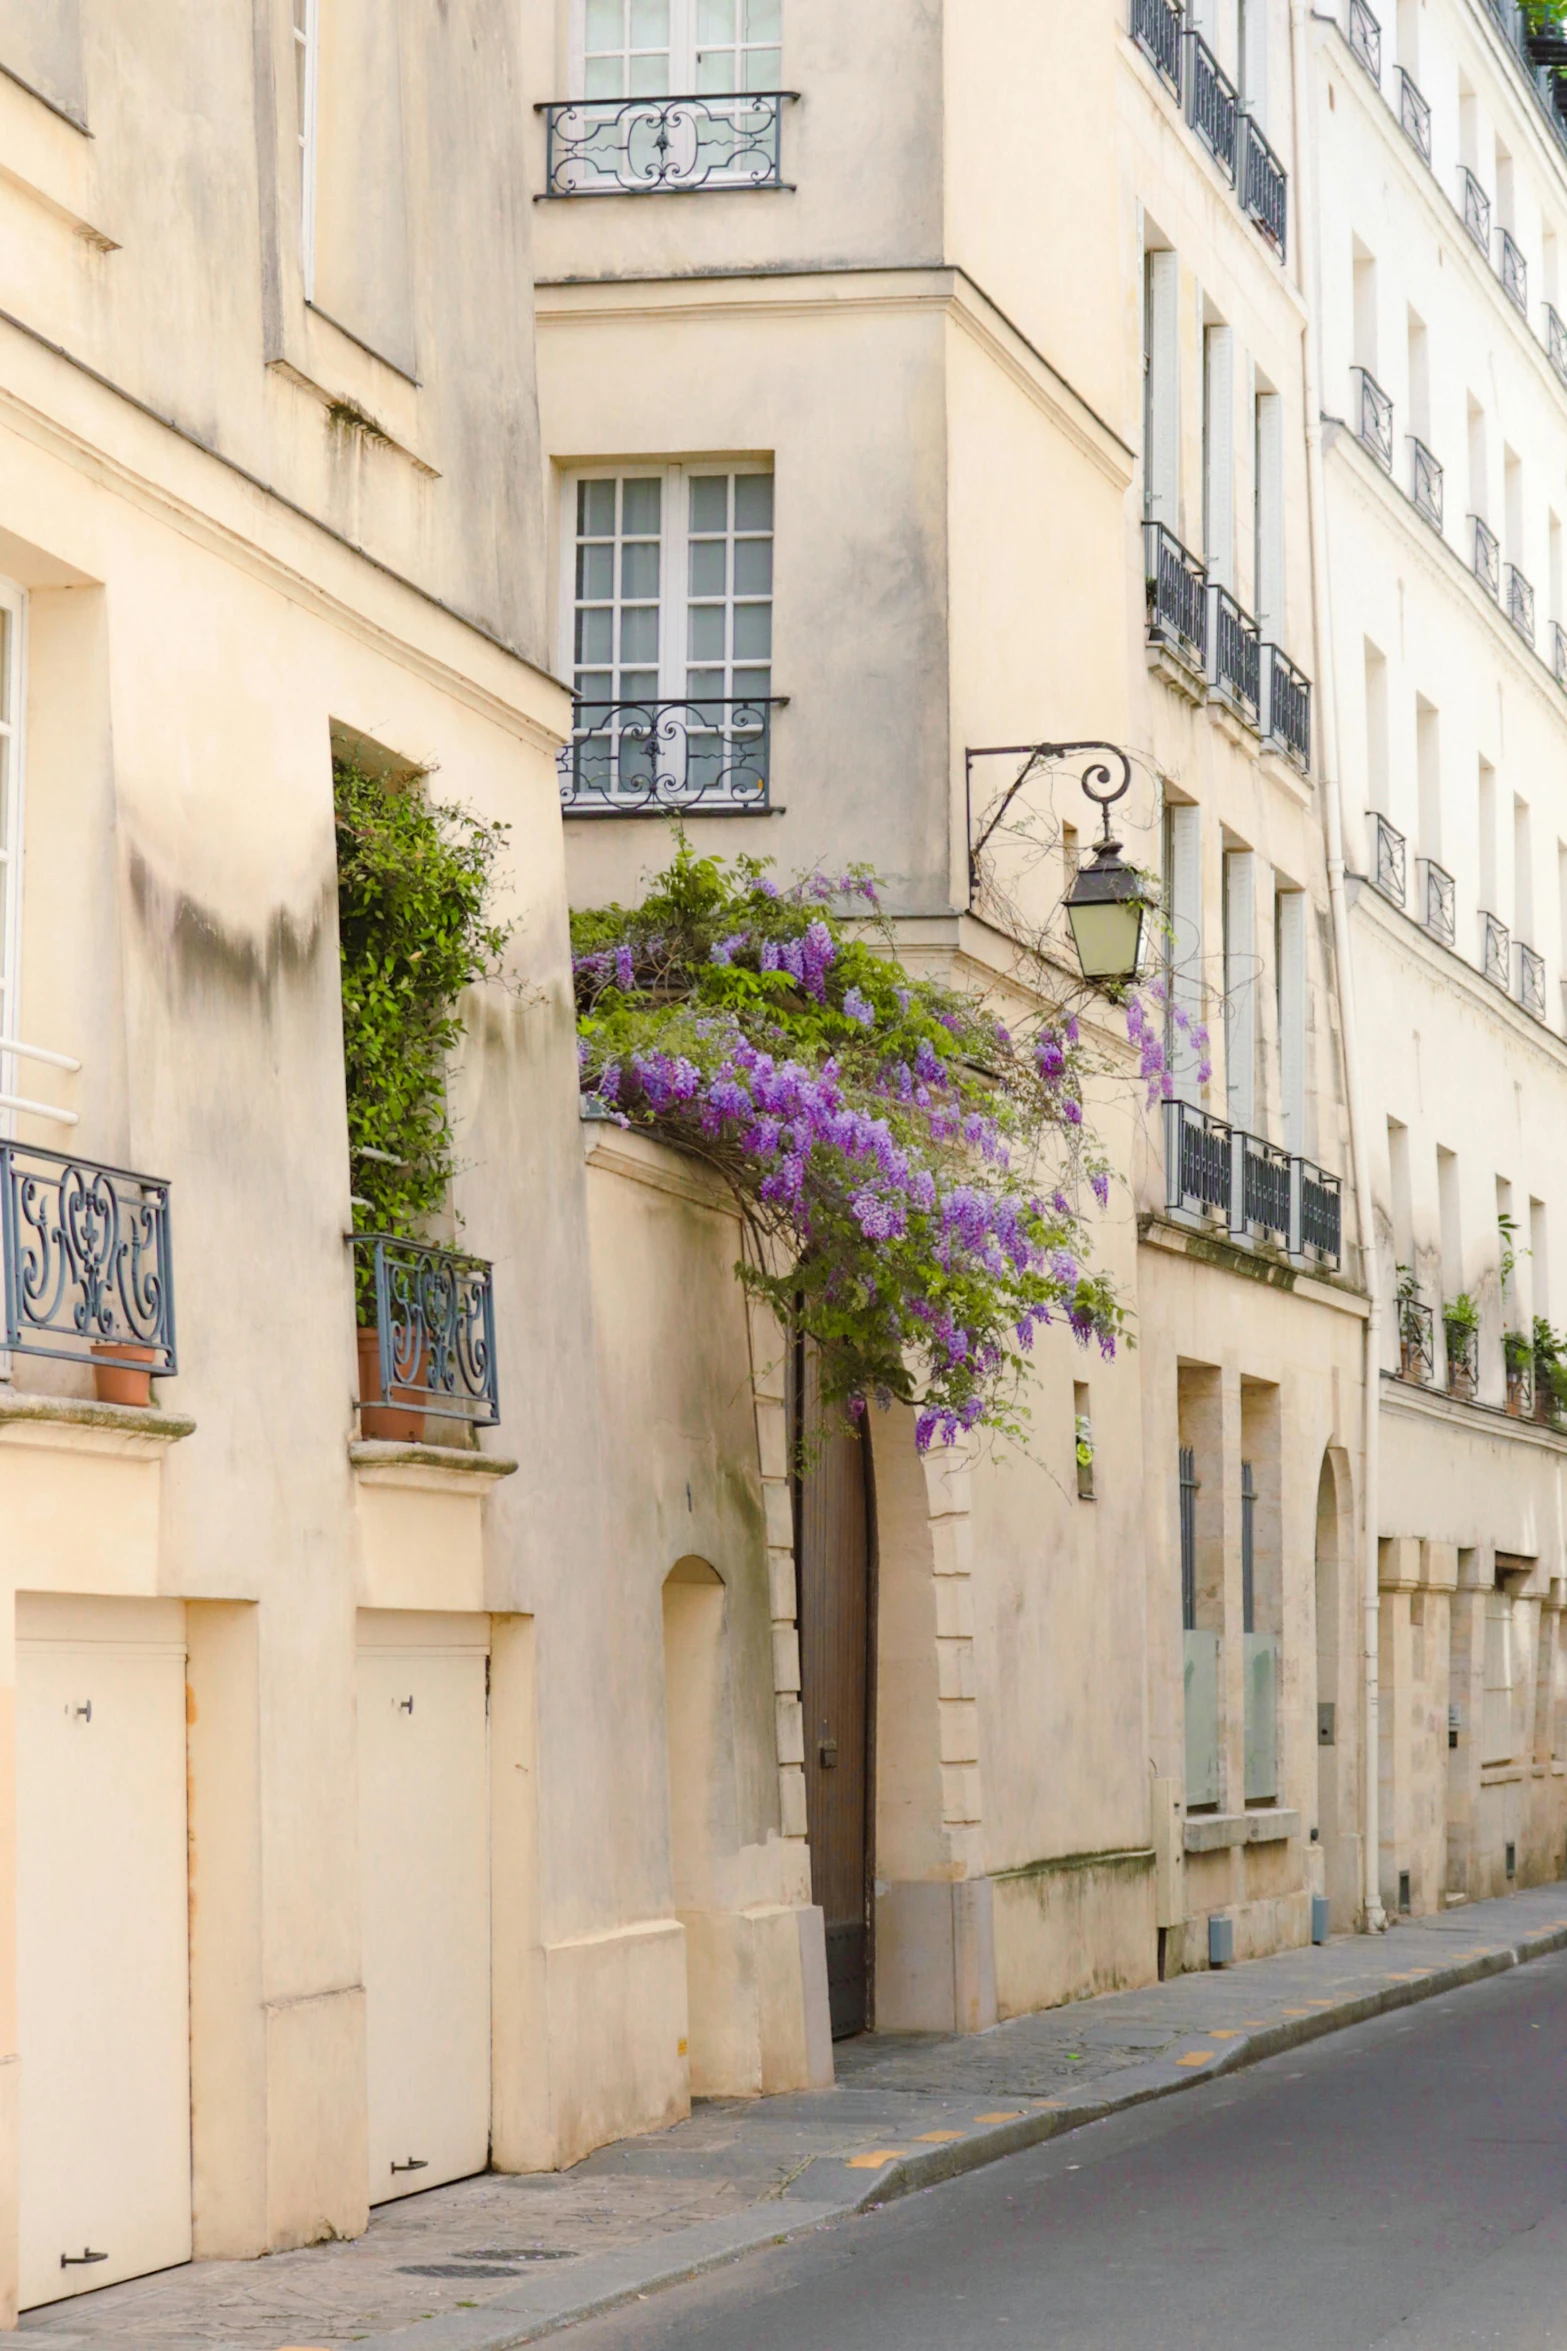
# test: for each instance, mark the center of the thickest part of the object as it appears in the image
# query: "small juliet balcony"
(1177, 587)
(1495, 952)
(1365, 39)
(1487, 556)
(1559, 653)
(1519, 602)
(1156, 28)
(1285, 707)
(1556, 342)
(1264, 185)
(1374, 418)
(652, 758)
(1474, 207)
(1213, 105)
(1414, 117)
(1531, 981)
(1390, 869)
(426, 1321)
(662, 146)
(89, 1269)
(1436, 908)
(1513, 271)
(1234, 656)
(1425, 483)
(1214, 1170)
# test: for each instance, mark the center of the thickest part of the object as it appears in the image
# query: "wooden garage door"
(102, 1943)
(424, 1857)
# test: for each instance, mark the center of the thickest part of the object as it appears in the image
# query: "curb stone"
(827, 2190)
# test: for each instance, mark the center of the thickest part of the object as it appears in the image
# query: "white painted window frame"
(674, 561)
(682, 50)
(305, 27)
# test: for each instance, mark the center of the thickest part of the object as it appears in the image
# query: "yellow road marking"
(934, 2138)
(1223, 2032)
(875, 2159)
(1195, 2057)
(1010, 2114)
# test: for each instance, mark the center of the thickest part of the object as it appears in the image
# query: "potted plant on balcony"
(1460, 1327)
(1518, 1357)
(415, 881)
(1545, 31)
(1412, 1346)
(1550, 1372)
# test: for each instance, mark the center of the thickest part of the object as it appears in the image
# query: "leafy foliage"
(414, 880)
(909, 1171)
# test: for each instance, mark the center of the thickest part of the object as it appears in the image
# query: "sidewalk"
(497, 2261)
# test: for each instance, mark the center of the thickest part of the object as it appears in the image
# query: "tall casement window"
(672, 613)
(663, 48)
(13, 621)
(306, 58)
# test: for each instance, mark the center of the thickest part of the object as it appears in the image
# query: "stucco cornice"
(640, 1159)
(1444, 967)
(1488, 1423)
(1206, 1247)
(921, 288)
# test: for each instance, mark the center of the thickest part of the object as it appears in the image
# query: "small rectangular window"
(672, 586)
(1083, 1440)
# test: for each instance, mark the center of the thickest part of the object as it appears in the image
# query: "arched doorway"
(833, 1553)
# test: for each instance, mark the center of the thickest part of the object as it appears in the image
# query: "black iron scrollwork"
(639, 146)
(87, 1259)
(625, 757)
(435, 1314)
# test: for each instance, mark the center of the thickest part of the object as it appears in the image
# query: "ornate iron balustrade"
(1365, 39)
(1177, 596)
(89, 1275)
(435, 1329)
(1463, 1359)
(1260, 1187)
(1475, 206)
(1487, 556)
(1391, 870)
(1197, 1161)
(1264, 185)
(1425, 483)
(1416, 1342)
(1531, 981)
(1316, 1213)
(1513, 271)
(1286, 706)
(1556, 341)
(1520, 1383)
(1213, 104)
(644, 146)
(1415, 116)
(1495, 952)
(1520, 603)
(1559, 652)
(1156, 28)
(642, 758)
(1234, 655)
(1438, 902)
(1374, 425)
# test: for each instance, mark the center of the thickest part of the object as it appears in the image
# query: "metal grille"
(640, 146)
(1374, 427)
(1391, 867)
(1559, 652)
(1248, 1549)
(1287, 711)
(1520, 603)
(1514, 274)
(1188, 1491)
(1494, 951)
(1156, 28)
(1415, 115)
(1212, 103)
(1556, 341)
(1177, 595)
(1531, 981)
(1264, 184)
(1416, 1342)
(1475, 206)
(645, 758)
(1463, 1360)
(1320, 1216)
(1235, 650)
(1265, 1185)
(1425, 482)
(434, 1317)
(1196, 1160)
(1365, 39)
(1487, 557)
(1438, 902)
(89, 1274)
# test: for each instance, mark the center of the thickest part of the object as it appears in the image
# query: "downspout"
(1330, 780)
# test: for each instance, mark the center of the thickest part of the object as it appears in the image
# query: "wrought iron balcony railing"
(89, 1276)
(1374, 419)
(1391, 869)
(1416, 1342)
(1495, 952)
(1234, 655)
(1156, 28)
(1214, 1169)
(1177, 596)
(1415, 116)
(1487, 556)
(1556, 341)
(644, 758)
(643, 146)
(1264, 185)
(1513, 271)
(1475, 207)
(1425, 483)
(1559, 652)
(1531, 981)
(434, 1331)
(1438, 903)
(1520, 603)
(1365, 39)
(1463, 1359)
(1286, 706)
(1519, 1369)
(1213, 104)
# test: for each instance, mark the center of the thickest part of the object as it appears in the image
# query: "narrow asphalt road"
(1403, 2184)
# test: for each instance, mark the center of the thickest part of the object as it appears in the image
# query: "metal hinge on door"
(81, 2260)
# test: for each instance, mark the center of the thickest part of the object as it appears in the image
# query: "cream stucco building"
(1441, 157)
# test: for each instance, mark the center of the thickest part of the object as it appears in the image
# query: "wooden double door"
(834, 1555)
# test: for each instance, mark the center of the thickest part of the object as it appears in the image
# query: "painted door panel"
(425, 1870)
(103, 1963)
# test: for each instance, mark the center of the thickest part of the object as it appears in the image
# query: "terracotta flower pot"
(394, 1420)
(117, 1374)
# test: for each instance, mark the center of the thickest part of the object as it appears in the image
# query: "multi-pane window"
(673, 594)
(658, 48)
(305, 60)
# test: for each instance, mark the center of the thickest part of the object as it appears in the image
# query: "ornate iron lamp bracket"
(1098, 773)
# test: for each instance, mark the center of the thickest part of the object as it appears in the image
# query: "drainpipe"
(1331, 784)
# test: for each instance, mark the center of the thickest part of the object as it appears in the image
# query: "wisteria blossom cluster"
(1148, 1031)
(914, 1176)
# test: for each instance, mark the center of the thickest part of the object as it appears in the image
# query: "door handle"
(414, 2163)
(80, 2260)
(827, 1754)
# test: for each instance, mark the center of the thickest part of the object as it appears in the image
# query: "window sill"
(1211, 1832)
